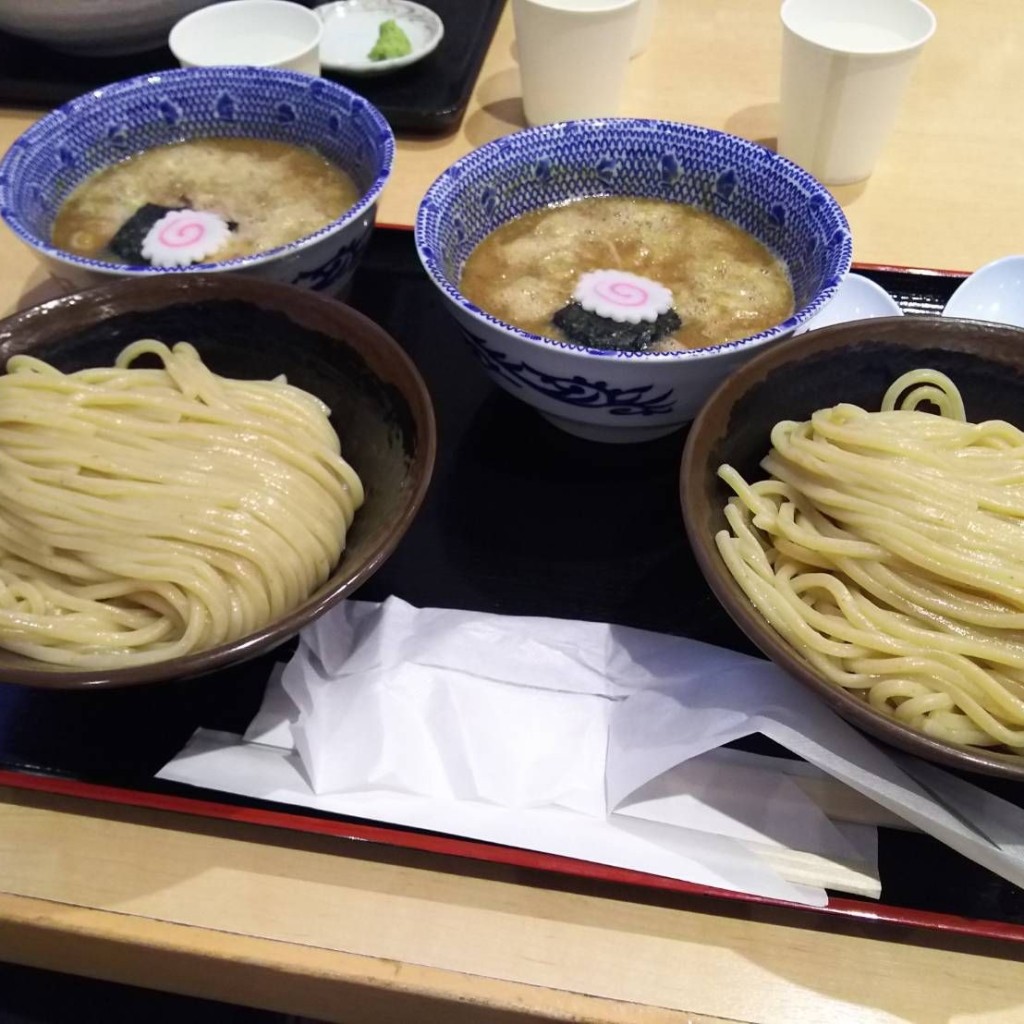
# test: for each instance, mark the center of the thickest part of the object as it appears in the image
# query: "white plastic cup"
(264, 33)
(845, 66)
(573, 56)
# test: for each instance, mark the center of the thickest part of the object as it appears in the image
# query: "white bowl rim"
(365, 202)
(784, 329)
(953, 307)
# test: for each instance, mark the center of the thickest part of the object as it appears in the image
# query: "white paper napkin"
(582, 739)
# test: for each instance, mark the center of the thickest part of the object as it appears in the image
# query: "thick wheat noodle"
(151, 513)
(888, 548)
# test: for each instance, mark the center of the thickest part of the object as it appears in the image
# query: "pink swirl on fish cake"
(621, 296)
(183, 237)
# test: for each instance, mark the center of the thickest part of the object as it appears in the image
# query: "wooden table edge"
(284, 977)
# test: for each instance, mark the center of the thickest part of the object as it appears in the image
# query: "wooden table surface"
(320, 927)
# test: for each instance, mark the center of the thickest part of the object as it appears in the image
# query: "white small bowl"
(857, 298)
(258, 33)
(994, 293)
(351, 28)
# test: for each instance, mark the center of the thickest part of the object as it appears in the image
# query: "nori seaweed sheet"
(583, 327)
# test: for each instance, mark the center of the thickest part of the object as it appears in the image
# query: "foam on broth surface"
(725, 284)
(275, 192)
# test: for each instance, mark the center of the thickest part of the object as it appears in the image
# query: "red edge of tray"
(850, 909)
(892, 268)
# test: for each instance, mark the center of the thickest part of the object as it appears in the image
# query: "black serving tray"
(520, 519)
(428, 97)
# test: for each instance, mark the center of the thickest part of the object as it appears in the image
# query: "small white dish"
(994, 293)
(857, 298)
(351, 28)
(261, 33)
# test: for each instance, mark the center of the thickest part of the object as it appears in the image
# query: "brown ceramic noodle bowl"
(854, 363)
(246, 328)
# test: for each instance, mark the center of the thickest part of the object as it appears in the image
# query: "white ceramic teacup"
(845, 65)
(644, 26)
(263, 33)
(573, 56)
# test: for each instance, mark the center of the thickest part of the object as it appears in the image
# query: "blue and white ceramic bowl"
(117, 121)
(626, 396)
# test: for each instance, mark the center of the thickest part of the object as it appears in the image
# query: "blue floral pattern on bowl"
(573, 390)
(768, 196)
(338, 266)
(60, 151)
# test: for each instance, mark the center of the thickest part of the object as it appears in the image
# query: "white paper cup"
(845, 65)
(265, 33)
(573, 56)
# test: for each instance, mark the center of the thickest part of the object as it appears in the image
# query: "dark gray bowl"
(853, 362)
(253, 329)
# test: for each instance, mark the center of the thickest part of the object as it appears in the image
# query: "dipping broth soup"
(725, 284)
(271, 193)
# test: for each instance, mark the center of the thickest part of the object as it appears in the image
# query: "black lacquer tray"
(427, 97)
(520, 519)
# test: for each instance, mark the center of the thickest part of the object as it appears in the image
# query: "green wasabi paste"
(391, 42)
